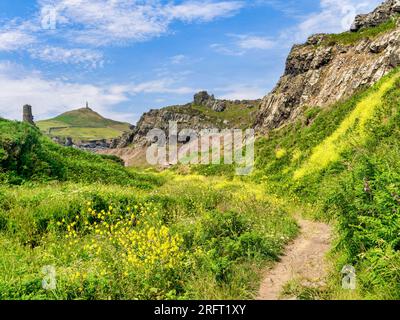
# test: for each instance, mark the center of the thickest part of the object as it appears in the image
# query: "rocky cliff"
(203, 113)
(328, 68)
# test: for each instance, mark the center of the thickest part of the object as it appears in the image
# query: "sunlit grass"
(350, 133)
(348, 38)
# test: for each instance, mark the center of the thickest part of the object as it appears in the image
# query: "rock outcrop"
(204, 99)
(380, 15)
(189, 116)
(185, 117)
(321, 72)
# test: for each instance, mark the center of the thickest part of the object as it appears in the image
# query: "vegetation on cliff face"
(330, 68)
(357, 189)
(350, 38)
(351, 132)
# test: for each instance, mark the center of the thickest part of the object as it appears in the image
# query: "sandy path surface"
(303, 260)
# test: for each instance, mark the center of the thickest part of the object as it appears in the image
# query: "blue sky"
(128, 56)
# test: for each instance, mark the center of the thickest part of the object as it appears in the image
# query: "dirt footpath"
(303, 260)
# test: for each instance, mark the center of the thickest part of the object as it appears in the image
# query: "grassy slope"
(343, 164)
(350, 38)
(83, 124)
(115, 233)
(238, 115)
(27, 155)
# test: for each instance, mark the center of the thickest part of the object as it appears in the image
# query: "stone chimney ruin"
(27, 114)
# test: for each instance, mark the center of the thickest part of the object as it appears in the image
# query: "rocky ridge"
(322, 72)
(193, 115)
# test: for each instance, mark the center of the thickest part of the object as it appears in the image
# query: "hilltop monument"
(27, 114)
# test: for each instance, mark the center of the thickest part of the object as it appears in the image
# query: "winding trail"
(303, 260)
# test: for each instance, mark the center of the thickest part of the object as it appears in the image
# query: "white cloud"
(243, 43)
(54, 96)
(231, 50)
(11, 40)
(248, 42)
(242, 92)
(160, 86)
(178, 59)
(203, 10)
(334, 16)
(49, 97)
(95, 23)
(87, 57)
(104, 22)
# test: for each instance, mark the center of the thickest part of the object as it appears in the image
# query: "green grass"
(86, 133)
(26, 155)
(239, 116)
(351, 132)
(345, 161)
(83, 124)
(228, 232)
(116, 233)
(350, 38)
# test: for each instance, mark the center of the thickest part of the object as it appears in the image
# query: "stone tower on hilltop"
(27, 114)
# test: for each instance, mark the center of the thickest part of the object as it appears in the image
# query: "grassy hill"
(83, 124)
(342, 165)
(112, 232)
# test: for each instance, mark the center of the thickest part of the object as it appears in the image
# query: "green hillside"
(83, 124)
(342, 165)
(116, 233)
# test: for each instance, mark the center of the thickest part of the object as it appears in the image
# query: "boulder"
(219, 106)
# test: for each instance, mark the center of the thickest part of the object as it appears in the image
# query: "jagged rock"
(186, 117)
(396, 6)
(321, 75)
(219, 106)
(380, 15)
(378, 47)
(316, 39)
(394, 59)
(204, 99)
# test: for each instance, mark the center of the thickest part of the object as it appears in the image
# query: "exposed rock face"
(186, 116)
(319, 74)
(381, 14)
(204, 99)
(159, 119)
